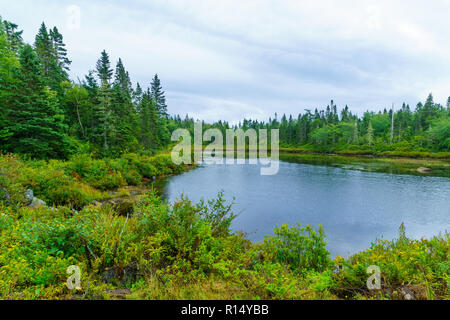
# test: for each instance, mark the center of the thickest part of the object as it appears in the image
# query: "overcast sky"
(231, 59)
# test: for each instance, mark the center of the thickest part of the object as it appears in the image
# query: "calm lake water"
(354, 207)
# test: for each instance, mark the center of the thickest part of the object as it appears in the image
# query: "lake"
(355, 207)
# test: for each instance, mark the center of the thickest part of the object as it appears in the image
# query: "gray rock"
(407, 294)
(29, 196)
(32, 201)
(37, 203)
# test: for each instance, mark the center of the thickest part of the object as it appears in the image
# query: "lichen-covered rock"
(407, 293)
(29, 196)
(37, 203)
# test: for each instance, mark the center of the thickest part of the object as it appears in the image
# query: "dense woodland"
(426, 128)
(45, 114)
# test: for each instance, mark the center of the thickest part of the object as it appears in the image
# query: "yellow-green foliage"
(402, 261)
(11, 190)
(303, 249)
(181, 246)
(187, 251)
(80, 180)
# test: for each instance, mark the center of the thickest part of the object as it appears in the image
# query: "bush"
(302, 248)
(78, 181)
(11, 190)
(401, 261)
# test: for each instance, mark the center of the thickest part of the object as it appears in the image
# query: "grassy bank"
(423, 167)
(384, 152)
(80, 180)
(187, 251)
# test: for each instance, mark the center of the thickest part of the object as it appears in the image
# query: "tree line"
(45, 114)
(426, 128)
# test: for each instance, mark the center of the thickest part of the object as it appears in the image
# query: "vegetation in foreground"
(181, 250)
(81, 180)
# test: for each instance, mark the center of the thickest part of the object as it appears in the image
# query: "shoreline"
(393, 165)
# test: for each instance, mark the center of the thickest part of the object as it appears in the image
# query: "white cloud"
(229, 59)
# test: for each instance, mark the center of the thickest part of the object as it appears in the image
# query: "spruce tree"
(59, 50)
(103, 130)
(355, 133)
(13, 36)
(8, 61)
(51, 52)
(370, 134)
(124, 117)
(44, 49)
(158, 94)
(148, 116)
(103, 67)
(35, 119)
(137, 95)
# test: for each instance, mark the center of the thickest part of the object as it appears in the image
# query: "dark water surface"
(354, 207)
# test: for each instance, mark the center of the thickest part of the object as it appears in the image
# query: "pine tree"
(392, 124)
(44, 50)
(148, 116)
(92, 87)
(103, 67)
(14, 37)
(104, 129)
(370, 134)
(8, 61)
(428, 111)
(35, 119)
(122, 80)
(103, 116)
(53, 57)
(137, 95)
(158, 94)
(125, 120)
(59, 50)
(355, 133)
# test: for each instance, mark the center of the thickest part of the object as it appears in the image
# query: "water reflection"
(354, 207)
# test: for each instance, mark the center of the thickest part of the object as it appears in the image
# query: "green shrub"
(401, 261)
(302, 248)
(11, 190)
